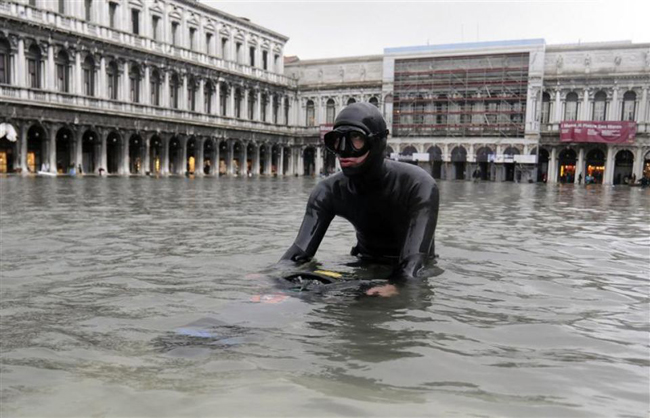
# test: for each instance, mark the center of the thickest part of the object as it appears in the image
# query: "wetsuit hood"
(368, 118)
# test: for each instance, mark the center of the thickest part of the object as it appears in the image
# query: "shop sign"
(609, 132)
(526, 159)
(325, 128)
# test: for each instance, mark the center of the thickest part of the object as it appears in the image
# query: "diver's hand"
(384, 291)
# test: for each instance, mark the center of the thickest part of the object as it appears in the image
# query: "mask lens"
(332, 140)
(358, 140)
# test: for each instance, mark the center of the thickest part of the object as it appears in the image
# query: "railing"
(81, 27)
(72, 102)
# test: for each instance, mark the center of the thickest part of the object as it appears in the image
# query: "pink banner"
(325, 128)
(610, 132)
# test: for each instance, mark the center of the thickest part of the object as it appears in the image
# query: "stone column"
(103, 154)
(200, 101)
(199, 162)
(77, 88)
(164, 169)
(183, 104)
(269, 160)
(21, 73)
(229, 157)
(318, 163)
(280, 167)
(146, 161)
(126, 90)
(612, 110)
(217, 95)
(585, 113)
(231, 103)
(258, 107)
(551, 177)
(102, 90)
(147, 86)
(608, 176)
(642, 115)
(50, 77)
(637, 169)
(22, 145)
(301, 162)
(51, 149)
(291, 163)
(166, 91)
(580, 166)
(256, 161)
(216, 164)
(78, 157)
(183, 168)
(243, 164)
(125, 167)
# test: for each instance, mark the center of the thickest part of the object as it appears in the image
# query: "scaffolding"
(461, 96)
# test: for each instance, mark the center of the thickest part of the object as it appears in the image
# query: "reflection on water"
(539, 306)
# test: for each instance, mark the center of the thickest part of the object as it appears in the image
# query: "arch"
(459, 160)
(509, 162)
(409, 150)
(389, 151)
(252, 98)
(623, 167)
(208, 93)
(286, 159)
(275, 158)
(191, 153)
(135, 78)
(511, 151)
(595, 166)
(89, 73)
(176, 162)
(223, 98)
(542, 164)
(435, 156)
(64, 150)
(209, 156)
(309, 161)
(567, 165)
(374, 101)
(112, 80)
(238, 102)
(238, 162)
(351, 100)
(90, 151)
(223, 157)
(251, 155)
(155, 154)
(5, 60)
(36, 149)
(600, 106)
(459, 154)
(62, 63)
(264, 152)
(330, 111)
(136, 154)
(483, 154)
(114, 150)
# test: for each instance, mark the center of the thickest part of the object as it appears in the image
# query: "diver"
(393, 206)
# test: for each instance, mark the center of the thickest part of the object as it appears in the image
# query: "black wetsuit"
(393, 206)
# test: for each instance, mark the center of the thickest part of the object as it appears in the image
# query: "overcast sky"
(339, 29)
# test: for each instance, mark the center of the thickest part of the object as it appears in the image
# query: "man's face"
(352, 161)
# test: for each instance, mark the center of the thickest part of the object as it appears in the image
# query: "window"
(265, 102)
(193, 39)
(155, 82)
(223, 95)
(174, 90)
(155, 27)
(330, 111)
(265, 60)
(89, 10)
(34, 67)
(208, 90)
(175, 33)
(238, 52)
(224, 45)
(135, 78)
(629, 106)
(112, 76)
(571, 107)
(600, 106)
(238, 102)
(89, 76)
(208, 43)
(276, 61)
(112, 11)
(5, 61)
(191, 94)
(135, 21)
(62, 6)
(62, 63)
(276, 106)
(286, 111)
(311, 114)
(546, 107)
(251, 52)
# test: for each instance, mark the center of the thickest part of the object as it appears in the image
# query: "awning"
(7, 130)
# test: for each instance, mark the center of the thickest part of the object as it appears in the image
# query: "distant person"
(476, 175)
(393, 206)
(580, 178)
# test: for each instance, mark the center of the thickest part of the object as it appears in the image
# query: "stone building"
(134, 87)
(173, 86)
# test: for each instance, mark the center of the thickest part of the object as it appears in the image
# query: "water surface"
(540, 307)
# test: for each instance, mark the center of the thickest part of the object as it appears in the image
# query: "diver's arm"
(318, 216)
(419, 241)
